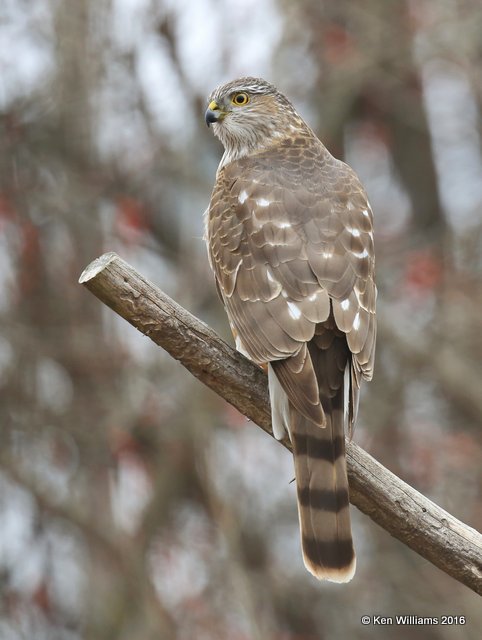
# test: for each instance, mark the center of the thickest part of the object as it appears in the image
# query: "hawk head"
(250, 114)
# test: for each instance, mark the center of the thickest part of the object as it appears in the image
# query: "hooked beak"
(213, 113)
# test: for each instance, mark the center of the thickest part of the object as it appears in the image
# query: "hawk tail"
(323, 498)
(319, 456)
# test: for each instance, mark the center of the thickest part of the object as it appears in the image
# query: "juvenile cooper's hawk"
(290, 240)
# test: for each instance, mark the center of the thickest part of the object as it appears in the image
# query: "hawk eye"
(240, 99)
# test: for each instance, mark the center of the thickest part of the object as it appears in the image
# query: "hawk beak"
(213, 113)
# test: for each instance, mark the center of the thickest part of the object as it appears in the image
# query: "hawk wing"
(290, 237)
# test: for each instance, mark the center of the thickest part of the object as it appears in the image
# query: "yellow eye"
(240, 99)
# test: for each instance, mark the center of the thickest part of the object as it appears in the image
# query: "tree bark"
(406, 514)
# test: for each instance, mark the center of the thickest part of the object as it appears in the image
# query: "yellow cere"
(213, 105)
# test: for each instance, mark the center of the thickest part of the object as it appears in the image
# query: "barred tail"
(323, 498)
(319, 452)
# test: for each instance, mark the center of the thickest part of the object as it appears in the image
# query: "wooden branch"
(406, 514)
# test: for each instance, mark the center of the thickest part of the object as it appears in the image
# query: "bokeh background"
(134, 503)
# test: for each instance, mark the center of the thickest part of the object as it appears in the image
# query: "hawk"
(290, 240)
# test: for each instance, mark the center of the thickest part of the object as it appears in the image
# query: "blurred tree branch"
(125, 560)
(406, 514)
(456, 377)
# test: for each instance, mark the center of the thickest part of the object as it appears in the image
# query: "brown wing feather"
(287, 234)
